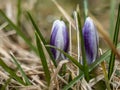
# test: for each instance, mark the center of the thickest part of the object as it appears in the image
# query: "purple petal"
(91, 40)
(59, 38)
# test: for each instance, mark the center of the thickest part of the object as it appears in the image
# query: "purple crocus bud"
(60, 39)
(91, 40)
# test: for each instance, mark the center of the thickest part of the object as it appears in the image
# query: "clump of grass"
(46, 74)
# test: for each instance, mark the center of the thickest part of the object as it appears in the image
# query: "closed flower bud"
(91, 40)
(60, 39)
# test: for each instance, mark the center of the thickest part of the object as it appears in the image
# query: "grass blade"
(96, 63)
(18, 12)
(69, 57)
(36, 28)
(85, 8)
(115, 41)
(85, 65)
(43, 58)
(21, 70)
(11, 72)
(18, 31)
(78, 40)
(112, 11)
(105, 75)
(75, 80)
(41, 36)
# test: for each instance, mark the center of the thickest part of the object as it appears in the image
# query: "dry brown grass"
(30, 62)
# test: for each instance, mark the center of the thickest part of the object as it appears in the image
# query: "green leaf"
(43, 58)
(115, 41)
(18, 31)
(21, 70)
(41, 36)
(11, 72)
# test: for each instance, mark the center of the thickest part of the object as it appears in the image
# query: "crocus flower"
(91, 40)
(60, 39)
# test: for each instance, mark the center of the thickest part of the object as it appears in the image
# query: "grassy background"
(22, 68)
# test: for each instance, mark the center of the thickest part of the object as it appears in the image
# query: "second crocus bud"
(60, 39)
(91, 40)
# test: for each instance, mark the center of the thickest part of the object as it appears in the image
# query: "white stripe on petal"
(59, 42)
